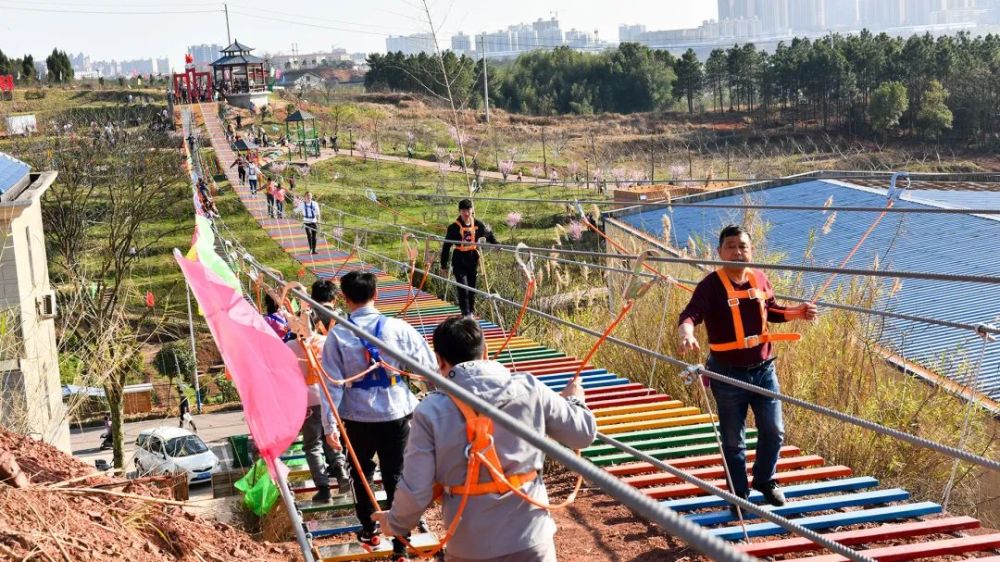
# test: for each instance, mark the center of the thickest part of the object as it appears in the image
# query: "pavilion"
(241, 77)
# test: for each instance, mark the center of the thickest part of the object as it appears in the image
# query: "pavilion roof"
(300, 115)
(240, 59)
(237, 47)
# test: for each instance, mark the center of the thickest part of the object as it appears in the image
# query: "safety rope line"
(699, 205)
(993, 330)
(848, 418)
(604, 336)
(725, 464)
(967, 422)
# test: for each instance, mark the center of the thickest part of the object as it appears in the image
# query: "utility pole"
(194, 352)
(229, 40)
(486, 82)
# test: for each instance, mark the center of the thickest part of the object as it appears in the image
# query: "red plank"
(690, 462)
(681, 490)
(662, 478)
(618, 389)
(628, 401)
(862, 536)
(920, 550)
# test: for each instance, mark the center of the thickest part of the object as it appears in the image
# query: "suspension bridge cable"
(546, 254)
(695, 369)
(643, 505)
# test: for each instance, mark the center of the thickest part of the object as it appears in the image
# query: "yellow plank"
(657, 424)
(355, 551)
(634, 408)
(650, 415)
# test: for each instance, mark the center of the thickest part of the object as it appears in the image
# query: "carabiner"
(370, 195)
(411, 246)
(528, 268)
(637, 288)
(894, 191)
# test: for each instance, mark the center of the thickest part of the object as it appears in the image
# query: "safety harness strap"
(377, 378)
(733, 298)
(467, 234)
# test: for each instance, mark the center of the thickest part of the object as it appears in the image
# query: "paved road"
(213, 428)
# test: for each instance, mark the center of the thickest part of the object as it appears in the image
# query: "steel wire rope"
(644, 506)
(698, 205)
(993, 330)
(587, 469)
(966, 423)
(847, 418)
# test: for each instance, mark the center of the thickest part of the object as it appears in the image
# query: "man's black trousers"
(388, 441)
(465, 274)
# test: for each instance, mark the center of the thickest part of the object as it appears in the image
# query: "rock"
(10, 472)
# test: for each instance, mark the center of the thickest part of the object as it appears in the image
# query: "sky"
(158, 28)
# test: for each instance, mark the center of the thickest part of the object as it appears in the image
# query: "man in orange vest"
(463, 234)
(736, 303)
(496, 524)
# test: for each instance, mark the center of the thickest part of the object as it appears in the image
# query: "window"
(142, 442)
(156, 446)
(186, 446)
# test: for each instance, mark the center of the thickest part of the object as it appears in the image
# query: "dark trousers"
(388, 441)
(270, 205)
(311, 236)
(465, 274)
(732, 404)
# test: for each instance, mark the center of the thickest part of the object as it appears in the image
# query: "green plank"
(673, 453)
(659, 443)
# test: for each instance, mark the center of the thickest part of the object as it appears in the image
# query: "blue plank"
(563, 376)
(561, 382)
(797, 491)
(807, 506)
(906, 511)
(334, 526)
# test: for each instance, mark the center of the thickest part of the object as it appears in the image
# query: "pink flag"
(265, 371)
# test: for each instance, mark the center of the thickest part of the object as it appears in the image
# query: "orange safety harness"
(733, 297)
(467, 235)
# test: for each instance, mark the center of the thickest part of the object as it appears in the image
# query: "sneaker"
(345, 484)
(371, 538)
(772, 493)
(322, 495)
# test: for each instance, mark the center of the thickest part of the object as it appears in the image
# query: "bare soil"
(46, 523)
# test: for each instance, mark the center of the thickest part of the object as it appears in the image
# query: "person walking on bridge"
(496, 525)
(736, 303)
(376, 409)
(309, 210)
(463, 234)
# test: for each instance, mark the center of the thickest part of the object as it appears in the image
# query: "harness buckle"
(690, 372)
(733, 303)
(751, 341)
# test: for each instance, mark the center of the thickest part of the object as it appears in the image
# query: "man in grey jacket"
(493, 527)
(377, 407)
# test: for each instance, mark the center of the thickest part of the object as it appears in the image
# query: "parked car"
(166, 449)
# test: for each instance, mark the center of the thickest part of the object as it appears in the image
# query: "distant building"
(580, 39)
(204, 54)
(303, 61)
(410, 44)
(163, 66)
(461, 43)
(300, 80)
(630, 33)
(843, 14)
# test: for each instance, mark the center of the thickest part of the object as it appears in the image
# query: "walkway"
(820, 495)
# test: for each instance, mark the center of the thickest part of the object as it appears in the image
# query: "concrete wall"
(30, 359)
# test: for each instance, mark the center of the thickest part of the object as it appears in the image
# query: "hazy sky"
(155, 28)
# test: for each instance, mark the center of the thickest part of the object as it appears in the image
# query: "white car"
(166, 449)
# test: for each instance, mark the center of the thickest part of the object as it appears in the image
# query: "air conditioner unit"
(47, 305)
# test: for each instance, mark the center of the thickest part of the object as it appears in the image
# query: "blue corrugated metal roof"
(940, 243)
(12, 171)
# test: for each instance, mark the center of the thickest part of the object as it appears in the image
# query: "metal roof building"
(926, 242)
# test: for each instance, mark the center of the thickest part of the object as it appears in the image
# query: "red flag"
(265, 371)
(302, 273)
(150, 299)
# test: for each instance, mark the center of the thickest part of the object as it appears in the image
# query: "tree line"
(59, 67)
(944, 87)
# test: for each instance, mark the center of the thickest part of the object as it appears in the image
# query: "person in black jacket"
(463, 234)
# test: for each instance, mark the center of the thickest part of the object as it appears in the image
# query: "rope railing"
(690, 369)
(643, 505)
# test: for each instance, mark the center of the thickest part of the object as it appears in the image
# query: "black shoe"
(322, 495)
(371, 538)
(772, 493)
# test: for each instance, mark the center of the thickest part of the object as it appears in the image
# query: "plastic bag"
(259, 491)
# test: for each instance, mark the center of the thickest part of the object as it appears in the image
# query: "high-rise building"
(461, 43)
(883, 13)
(842, 14)
(580, 39)
(774, 15)
(205, 54)
(410, 44)
(163, 66)
(630, 33)
(806, 15)
(737, 9)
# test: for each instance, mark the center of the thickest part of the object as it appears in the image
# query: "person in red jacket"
(736, 303)
(463, 235)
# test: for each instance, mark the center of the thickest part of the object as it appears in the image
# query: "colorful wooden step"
(827, 503)
(669, 453)
(863, 536)
(803, 475)
(693, 461)
(794, 491)
(663, 478)
(332, 527)
(338, 501)
(657, 444)
(890, 513)
(355, 551)
(914, 551)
